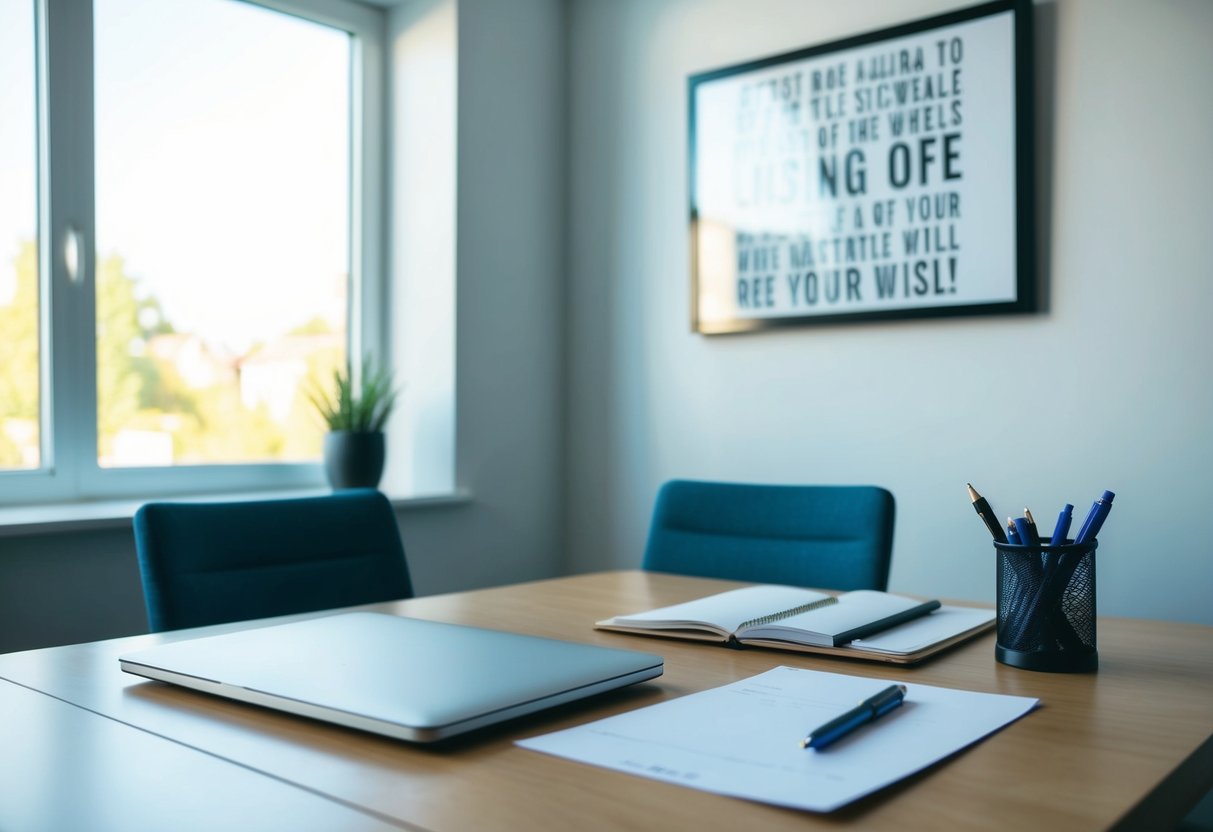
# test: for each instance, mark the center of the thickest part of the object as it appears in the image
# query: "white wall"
(423, 55)
(507, 169)
(1107, 388)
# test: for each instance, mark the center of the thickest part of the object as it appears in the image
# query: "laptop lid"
(402, 677)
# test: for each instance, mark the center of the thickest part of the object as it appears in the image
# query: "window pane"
(223, 200)
(19, 379)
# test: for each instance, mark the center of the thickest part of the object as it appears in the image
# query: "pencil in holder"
(1046, 607)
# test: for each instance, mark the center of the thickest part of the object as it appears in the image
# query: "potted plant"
(356, 411)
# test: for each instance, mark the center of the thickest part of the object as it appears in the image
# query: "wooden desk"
(1131, 746)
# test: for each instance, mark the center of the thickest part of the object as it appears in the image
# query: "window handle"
(73, 253)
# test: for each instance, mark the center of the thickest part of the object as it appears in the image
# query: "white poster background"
(759, 139)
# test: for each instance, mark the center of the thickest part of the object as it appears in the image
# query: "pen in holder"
(1046, 607)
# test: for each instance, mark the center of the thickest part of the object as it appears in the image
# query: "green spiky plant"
(362, 410)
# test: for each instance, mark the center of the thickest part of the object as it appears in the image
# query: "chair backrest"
(210, 563)
(828, 536)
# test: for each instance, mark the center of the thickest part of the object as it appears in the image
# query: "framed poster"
(888, 175)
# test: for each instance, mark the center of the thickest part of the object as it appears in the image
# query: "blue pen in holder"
(1046, 607)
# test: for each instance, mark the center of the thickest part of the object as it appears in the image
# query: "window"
(20, 382)
(204, 233)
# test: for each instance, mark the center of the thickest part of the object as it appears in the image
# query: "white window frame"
(69, 469)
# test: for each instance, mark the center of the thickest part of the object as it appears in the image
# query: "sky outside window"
(223, 200)
(19, 383)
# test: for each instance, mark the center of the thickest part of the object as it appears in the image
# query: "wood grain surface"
(1129, 746)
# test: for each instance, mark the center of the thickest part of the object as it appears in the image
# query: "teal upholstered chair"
(829, 536)
(210, 563)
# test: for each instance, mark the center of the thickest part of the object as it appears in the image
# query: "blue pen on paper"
(1095, 518)
(866, 711)
(1063, 526)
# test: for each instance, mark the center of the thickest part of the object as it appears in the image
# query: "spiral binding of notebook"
(788, 613)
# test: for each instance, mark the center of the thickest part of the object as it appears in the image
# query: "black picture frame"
(884, 176)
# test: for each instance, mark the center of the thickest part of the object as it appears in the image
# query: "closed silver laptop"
(402, 677)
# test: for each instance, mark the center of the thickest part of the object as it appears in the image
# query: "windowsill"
(90, 515)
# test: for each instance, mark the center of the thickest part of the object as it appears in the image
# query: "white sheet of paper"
(743, 739)
(914, 635)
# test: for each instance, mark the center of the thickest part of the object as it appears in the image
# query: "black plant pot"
(353, 459)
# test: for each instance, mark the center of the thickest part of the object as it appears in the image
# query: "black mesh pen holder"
(1046, 607)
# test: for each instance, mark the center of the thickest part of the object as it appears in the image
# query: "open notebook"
(862, 624)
